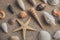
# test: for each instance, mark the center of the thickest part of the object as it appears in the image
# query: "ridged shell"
(14, 38)
(44, 35)
(53, 2)
(49, 18)
(4, 27)
(57, 35)
(21, 4)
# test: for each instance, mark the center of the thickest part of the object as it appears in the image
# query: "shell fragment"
(49, 19)
(21, 4)
(4, 27)
(44, 35)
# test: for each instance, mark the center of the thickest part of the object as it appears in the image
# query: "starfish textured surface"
(24, 27)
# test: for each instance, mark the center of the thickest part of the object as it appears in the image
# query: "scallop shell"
(57, 35)
(21, 4)
(44, 35)
(49, 18)
(4, 27)
(44, 1)
(14, 38)
(53, 2)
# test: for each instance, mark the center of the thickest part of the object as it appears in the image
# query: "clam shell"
(21, 4)
(14, 38)
(53, 2)
(57, 35)
(49, 18)
(4, 27)
(44, 35)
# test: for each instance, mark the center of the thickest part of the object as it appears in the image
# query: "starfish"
(24, 27)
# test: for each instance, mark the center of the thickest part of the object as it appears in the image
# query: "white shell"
(33, 2)
(45, 1)
(21, 4)
(14, 38)
(57, 35)
(49, 19)
(4, 27)
(53, 2)
(44, 35)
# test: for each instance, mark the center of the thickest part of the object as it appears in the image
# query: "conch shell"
(49, 19)
(21, 4)
(44, 35)
(4, 27)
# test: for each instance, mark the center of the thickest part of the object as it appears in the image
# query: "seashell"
(2, 14)
(33, 2)
(41, 7)
(22, 14)
(56, 12)
(44, 1)
(14, 38)
(53, 2)
(44, 35)
(49, 19)
(57, 35)
(12, 21)
(4, 27)
(21, 4)
(10, 8)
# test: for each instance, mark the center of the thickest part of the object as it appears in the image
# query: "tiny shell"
(21, 4)
(49, 19)
(14, 38)
(53, 2)
(4, 27)
(57, 35)
(41, 7)
(44, 35)
(33, 2)
(10, 8)
(12, 21)
(44, 1)
(22, 14)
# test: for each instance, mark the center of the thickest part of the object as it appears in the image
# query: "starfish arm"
(24, 33)
(17, 29)
(28, 21)
(29, 28)
(19, 22)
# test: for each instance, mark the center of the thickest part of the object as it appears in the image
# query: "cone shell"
(49, 18)
(57, 35)
(53, 2)
(4, 27)
(44, 35)
(21, 4)
(14, 38)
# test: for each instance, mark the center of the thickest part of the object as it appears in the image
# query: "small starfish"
(24, 27)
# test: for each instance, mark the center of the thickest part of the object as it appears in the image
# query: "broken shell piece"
(53, 2)
(12, 21)
(49, 18)
(21, 4)
(10, 8)
(22, 14)
(44, 1)
(33, 2)
(56, 12)
(41, 7)
(14, 38)
(4, 27)
(57, 35)
(44, 35)
(2, 14)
